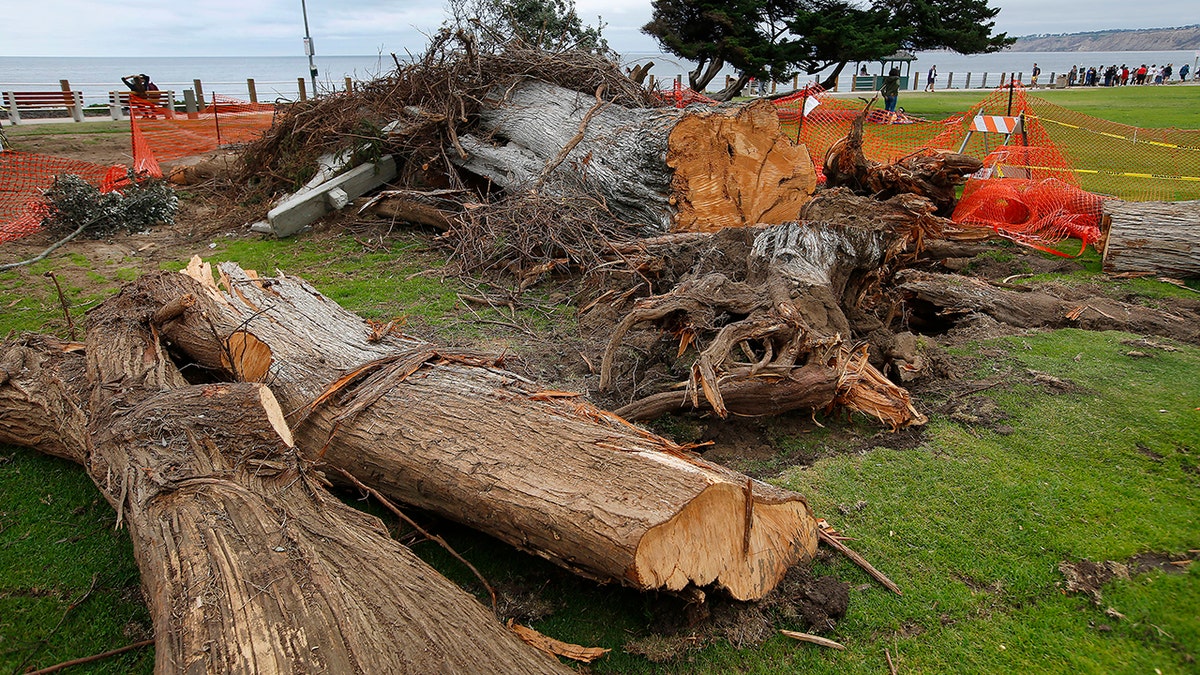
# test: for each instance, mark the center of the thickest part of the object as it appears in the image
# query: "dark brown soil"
(1088, 577)
(800, 602)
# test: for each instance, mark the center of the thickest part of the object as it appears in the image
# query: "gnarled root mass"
(776, 341)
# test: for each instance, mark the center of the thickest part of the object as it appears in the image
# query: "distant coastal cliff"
(1144, 40)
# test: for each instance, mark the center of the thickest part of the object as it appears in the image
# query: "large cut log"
(456, 434)
(1158, 237)
(248, 563)
(936, 301)
(697, 169)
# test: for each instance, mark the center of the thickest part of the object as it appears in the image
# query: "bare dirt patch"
(1088, 577)
(97, 148)
(800, 602)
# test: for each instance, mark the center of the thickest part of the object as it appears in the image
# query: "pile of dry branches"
(532, 232)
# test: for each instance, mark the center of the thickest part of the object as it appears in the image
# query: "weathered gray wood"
(622, 153)
(949, 296)
(700, 168)
(1158, 237)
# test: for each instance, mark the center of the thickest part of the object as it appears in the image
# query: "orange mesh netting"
(158, 135)
(1037, 213)
(1040, 185)
(1107, 158)
(25, 175)
(681, 96)
(169, 136)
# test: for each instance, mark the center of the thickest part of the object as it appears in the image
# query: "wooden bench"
(163, 100)
(28, 101)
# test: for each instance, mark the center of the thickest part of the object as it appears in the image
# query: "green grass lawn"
(1175, 106)
(1152, 162)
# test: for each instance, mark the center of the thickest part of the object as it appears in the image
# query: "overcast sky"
(354, 27)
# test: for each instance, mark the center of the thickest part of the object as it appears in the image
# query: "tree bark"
(693, 169)
(453, 433)
(703, 74)
(248, 563)
(1158, 237)
(936, 301)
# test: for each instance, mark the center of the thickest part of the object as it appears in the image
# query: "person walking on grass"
(1033, 77)
(931, 78)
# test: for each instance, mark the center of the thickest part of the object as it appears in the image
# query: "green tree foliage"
(773, 38)
(553, 25)
(743, 33)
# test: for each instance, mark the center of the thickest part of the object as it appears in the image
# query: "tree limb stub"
(480, 446)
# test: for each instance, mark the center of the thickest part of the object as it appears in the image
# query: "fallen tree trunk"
(453, 433)
(248, 563)
(697, 169)
(1158, 237)
(936, 301)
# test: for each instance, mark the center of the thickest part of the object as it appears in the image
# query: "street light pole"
(308, 49)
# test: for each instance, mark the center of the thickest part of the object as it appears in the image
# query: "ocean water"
(275, 76)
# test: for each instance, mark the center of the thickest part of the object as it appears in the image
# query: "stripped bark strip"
(858, 560)
(425, 533)
(748, 522)
(556, 647)
(814, 639)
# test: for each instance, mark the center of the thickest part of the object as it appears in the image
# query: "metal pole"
(308, 48)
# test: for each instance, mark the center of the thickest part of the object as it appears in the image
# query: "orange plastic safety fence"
(1117, 160)
(681, 96)
(24, 176)
(1038, 213)
(169, 135)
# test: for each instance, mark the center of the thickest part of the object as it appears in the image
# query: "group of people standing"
(1119, 76)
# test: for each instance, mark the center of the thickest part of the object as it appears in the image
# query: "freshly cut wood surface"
(453, 433)
(735, 167)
